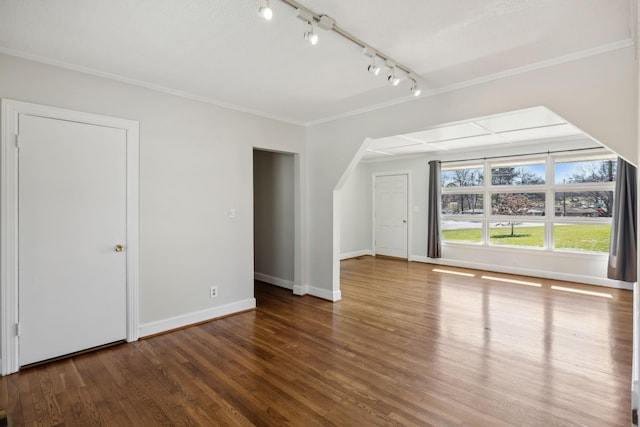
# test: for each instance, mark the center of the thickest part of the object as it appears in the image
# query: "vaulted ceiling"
(223, 52)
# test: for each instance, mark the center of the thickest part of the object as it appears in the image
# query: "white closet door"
(72, 237)
(391, 215)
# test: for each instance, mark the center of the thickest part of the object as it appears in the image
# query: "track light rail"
(353, 39)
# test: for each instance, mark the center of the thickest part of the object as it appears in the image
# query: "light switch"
(232, 212)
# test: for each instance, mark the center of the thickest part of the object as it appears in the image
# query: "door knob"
(404, 221)
(118, 248)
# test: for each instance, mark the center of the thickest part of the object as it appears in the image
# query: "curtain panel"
(434, 249)
(623, 249)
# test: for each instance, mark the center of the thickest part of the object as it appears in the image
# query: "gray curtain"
(433, 235)
(622, 253)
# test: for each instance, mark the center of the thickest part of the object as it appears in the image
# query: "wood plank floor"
(407, 345)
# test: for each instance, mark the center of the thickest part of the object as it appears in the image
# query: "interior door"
(391, 215)
(72, 237)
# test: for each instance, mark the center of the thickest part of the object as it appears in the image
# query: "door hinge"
(18, 329)
(17, 140)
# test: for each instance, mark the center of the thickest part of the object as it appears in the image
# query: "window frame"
(549, 189)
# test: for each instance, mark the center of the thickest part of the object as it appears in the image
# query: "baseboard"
(183, 320)
(332, 296)
(283, 283)
(355, 254)
(589, 280)
(300, 289)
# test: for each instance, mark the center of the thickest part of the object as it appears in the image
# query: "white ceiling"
(532, 126)
(222, 51)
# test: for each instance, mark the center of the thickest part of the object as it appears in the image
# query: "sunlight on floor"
(580, 291)
(457, 273)
(517, 282)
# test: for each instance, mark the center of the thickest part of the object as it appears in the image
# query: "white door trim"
(9, 349)
(373, 209)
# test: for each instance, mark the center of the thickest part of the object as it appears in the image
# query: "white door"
(72, 217)
(391, 215)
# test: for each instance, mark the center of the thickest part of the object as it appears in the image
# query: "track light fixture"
(393, 79)
(310, 35)
(415, 89)
(391, 76)
(373, 68)
(265, 10)
(309, 18)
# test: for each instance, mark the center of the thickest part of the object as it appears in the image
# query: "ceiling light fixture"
(373, 68)
(391, 75)
(311, 36)
(309, 18)
(264, 10)
(415, 89)
(393, 79)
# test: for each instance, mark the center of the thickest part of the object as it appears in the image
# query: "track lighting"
(415, 89)
(311, 36)
(373, 68)
(396, 72)
(264, 10)
(392, 78)
(308, 17)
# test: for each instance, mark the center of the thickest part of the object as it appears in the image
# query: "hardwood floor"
(407, 345)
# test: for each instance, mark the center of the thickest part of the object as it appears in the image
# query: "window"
(518, 204)
(515, 233)
(462, 231)
(518, 173)
(470, 176)
(560, 201)
(463, 204)
(585, 171)
(582, 237)
(583, 204)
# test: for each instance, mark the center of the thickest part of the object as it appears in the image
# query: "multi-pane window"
(560, 202)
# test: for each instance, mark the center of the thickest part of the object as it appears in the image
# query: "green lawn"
(568, 236)
(584, 237)
(522, 236)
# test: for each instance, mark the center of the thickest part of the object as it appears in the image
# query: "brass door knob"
(404, 221)
(119, 248)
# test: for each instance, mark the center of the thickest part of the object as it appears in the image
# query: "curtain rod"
(522, 155)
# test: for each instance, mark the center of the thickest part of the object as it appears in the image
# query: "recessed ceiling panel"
(446, 133)
(374, 154)
(557, 131)
(391, 142)
(531, 118)
(414, 149)
(472, 142)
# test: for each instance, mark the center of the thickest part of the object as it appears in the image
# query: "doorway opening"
(274, 218)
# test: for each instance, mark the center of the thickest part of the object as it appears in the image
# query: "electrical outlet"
(213, 292)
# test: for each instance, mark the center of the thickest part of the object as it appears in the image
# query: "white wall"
(355, 215)
(274, 218)
(596, 93)
(195, 164)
